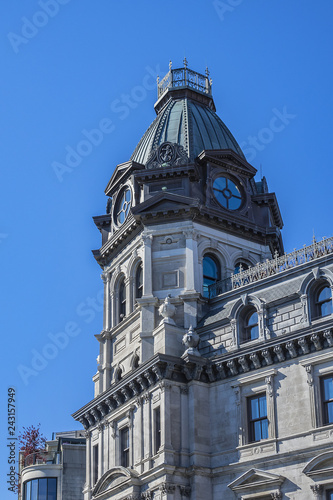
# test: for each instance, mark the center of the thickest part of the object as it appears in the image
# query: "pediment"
(322, 465)
(117, 478)
(164, 202)
(255, 479)
(229, 159)
(121, 173)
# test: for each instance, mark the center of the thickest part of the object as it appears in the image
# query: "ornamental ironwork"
(184, 77)
(274, 266)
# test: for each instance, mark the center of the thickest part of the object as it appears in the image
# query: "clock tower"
(184, 216)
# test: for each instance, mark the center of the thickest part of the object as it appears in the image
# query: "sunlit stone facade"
(214, 376)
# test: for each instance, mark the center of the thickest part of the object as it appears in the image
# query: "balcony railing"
(42, 457)
(274, 266)
(184, 77)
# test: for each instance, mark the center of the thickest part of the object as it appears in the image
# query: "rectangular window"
(40, 489)
(327, 399)
(95, 463)
(157, 429)
(124, 446)
(257, 418)
(329, 495)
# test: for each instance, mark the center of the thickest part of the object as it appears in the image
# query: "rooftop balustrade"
(274, 266)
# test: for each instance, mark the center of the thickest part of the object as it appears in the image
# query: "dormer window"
(324, 302)
(321, 299)
(249, 327)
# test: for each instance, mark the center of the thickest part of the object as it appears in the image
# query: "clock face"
(227, 193)
(123, 206)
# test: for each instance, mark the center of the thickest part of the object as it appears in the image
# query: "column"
(184, 426)
(107, 302)
(88, 466)
(166, 422)
(191, 260)
(147, 265)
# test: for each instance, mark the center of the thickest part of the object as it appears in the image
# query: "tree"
(31, 440)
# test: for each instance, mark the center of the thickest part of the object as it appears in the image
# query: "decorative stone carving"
(279, 352)
(304, 345)
(316, 341)
(269, 385)
(110, 403)
(167, 310)
(102, 410)
(191, 340)
(167, 488)
(221, 370)
(267, 356)
(185, 491)
(167, 154)
(308, 370)
(244, 364)
(291, 349)
(328, 337)
(232, 367)
(316, 490)
(255, 360)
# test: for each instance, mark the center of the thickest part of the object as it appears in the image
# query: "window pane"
(254, 332)
(34, 489)
(254, 409)
(220, 183)
(52, 488)
(326, 308)
(27, 487)
(233, 188)
(253, 319)
(324, 294)
(234, 203)
(328, 388)
(257, 430)
(262, 406)
(330, 413)
(264, 429)
(209, 268)
(42, 489)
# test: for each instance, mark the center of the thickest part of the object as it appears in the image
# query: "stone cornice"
(177, 370)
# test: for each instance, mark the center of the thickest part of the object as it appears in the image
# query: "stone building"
(56, 473)
(215, 375)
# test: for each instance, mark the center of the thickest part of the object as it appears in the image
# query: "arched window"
(122, 299)
(323, 301)
(249, 325)
(139, 282)
(211, 273)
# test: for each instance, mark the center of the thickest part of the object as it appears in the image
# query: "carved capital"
(167, 488)
(269, 384)
(316, 490)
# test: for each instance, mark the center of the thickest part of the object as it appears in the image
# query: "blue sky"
(67, 67)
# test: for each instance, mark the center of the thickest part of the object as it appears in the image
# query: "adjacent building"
(56, 473)
(215, 375)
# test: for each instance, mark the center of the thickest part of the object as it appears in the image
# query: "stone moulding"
(190, 368)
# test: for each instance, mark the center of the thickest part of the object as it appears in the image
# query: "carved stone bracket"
(291, 349)
(316, 341)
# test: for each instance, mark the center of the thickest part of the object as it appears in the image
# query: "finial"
(170, 65)
(158, 79)
(185, 62)
(313, 237)
(207, 71)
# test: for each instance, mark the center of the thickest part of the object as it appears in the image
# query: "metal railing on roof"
(42, 457)
(184, 77)
(274, 266)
